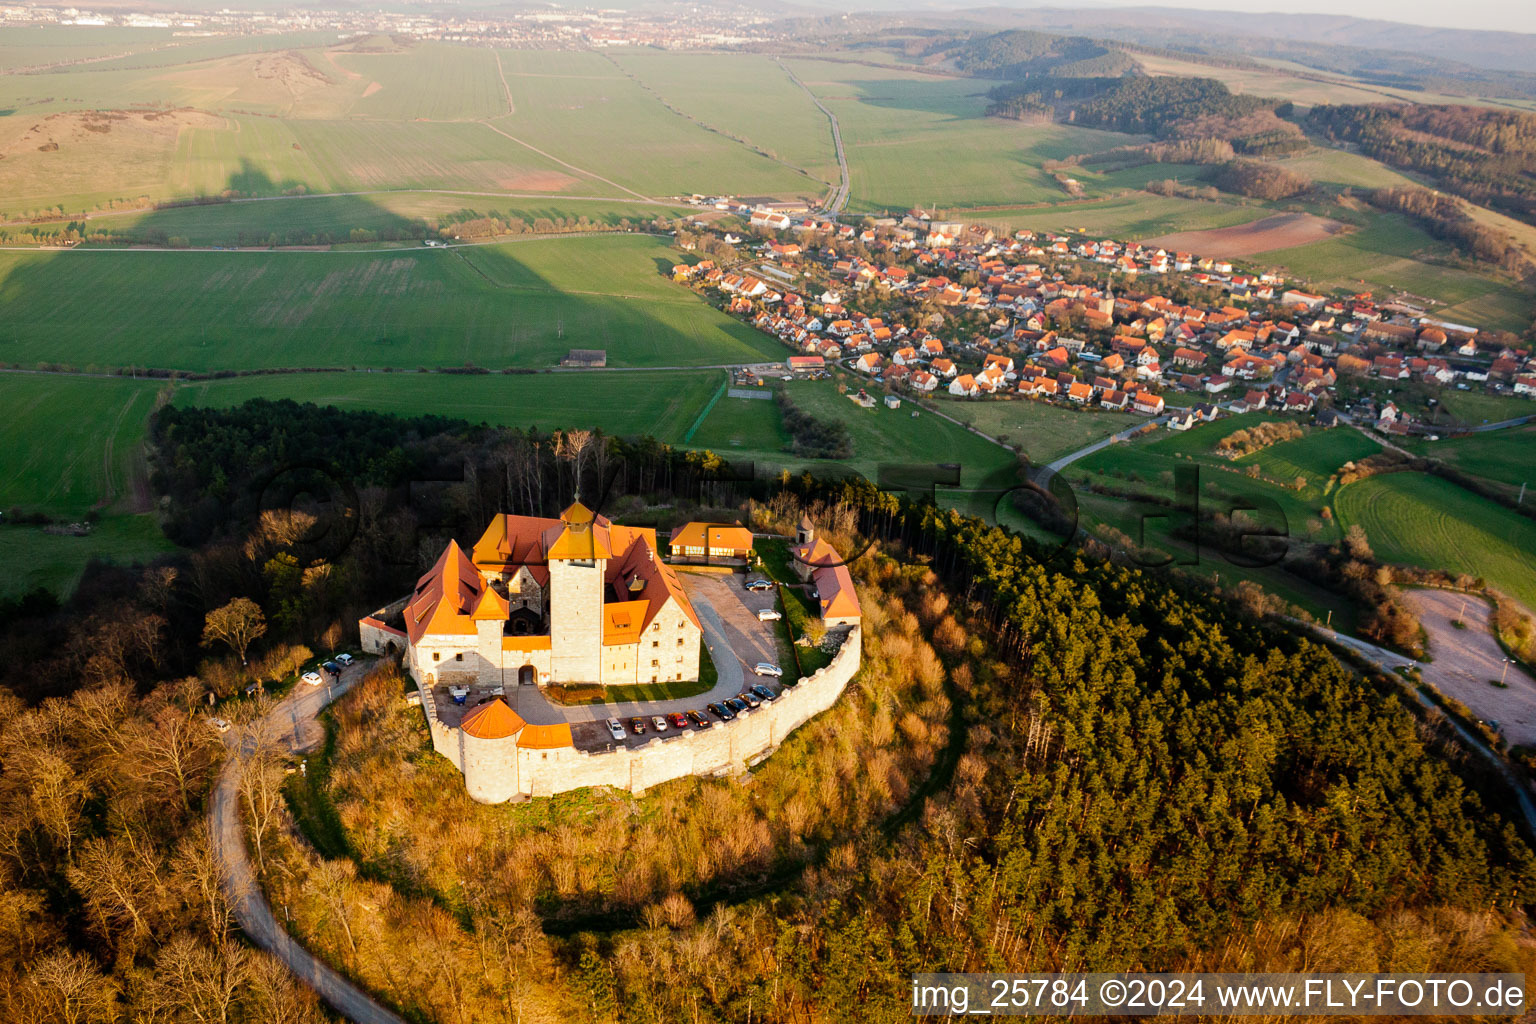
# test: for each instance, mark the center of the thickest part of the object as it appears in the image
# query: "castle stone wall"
(726, 748)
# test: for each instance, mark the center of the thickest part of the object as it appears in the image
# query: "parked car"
(344, 660)
(736, 704)
(764, 693)
(749, 698)
(767, 668)
(458, 693)
(312, 678)
(759, 585)
(769, 615)
(615, 729)
(722, 712)
(333, 668)
(637, 726)
(678, 720)
(699, 720)
(659, 723)
(219, 725)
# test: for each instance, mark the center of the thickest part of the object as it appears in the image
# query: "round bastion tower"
(488, 751)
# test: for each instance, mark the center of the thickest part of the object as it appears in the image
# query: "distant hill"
(1026, 54)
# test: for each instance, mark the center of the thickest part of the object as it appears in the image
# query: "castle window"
(459, 656)
(655, 643)
(654, 663)
(437, 655)
(679, 641)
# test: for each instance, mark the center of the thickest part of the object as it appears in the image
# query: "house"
(922, 380)
(964, 386)
(1079, 393)
(1253, 401)
(943, 368)
(1306, 300)
(1182, 420)
(1300, 401)
(805, 364)
(1114, 399)
(711, 542)
(869, 362)
(819, 564)
(587, 358)
(1147, 404)
(1217, 384)
(905, 356)
(1525, 385)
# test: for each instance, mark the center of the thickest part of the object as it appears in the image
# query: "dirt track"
(1466, 659)
(1282, 231)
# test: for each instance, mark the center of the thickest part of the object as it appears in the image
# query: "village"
(926, 307)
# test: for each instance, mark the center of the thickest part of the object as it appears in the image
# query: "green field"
(587, 112)
(750, 429)
(1386, 253)
(31, 558)
(918, 139)
(522, 303)
(1128, 217)
(741, 423)
(70, 444)
(1040, 431)
(1500, 455)
(661, 404)
(246, 223)
(1416, 519)
(746, 96)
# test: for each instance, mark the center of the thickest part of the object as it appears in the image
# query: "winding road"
(292, 723)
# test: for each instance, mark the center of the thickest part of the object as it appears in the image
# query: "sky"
(1489, 15)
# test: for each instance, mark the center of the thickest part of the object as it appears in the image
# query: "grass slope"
(1416, 519)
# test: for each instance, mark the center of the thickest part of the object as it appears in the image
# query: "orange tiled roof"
(492, 720)
(545, 737)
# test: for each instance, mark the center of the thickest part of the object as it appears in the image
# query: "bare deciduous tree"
(237, 625)
(68, 988)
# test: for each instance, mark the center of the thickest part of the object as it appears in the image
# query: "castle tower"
(578, 552)
(490, 618)
(806, 531)
(488, 752)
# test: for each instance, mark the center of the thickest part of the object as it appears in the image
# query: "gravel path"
(293, 723)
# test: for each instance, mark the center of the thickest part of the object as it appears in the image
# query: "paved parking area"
(750, 639)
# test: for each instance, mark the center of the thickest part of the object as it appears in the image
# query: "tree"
(237, 625)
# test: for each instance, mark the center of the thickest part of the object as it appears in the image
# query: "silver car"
(615, 729)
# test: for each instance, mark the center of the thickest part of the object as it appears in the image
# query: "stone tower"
(578, 559)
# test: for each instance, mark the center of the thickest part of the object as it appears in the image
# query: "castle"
(563, 601)
(579, 599)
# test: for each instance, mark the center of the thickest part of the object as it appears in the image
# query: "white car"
(766, 668)
(769, 615)
(344, 659)
(312, 678)
(219, 725)
(658, 723)
(615, 729)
